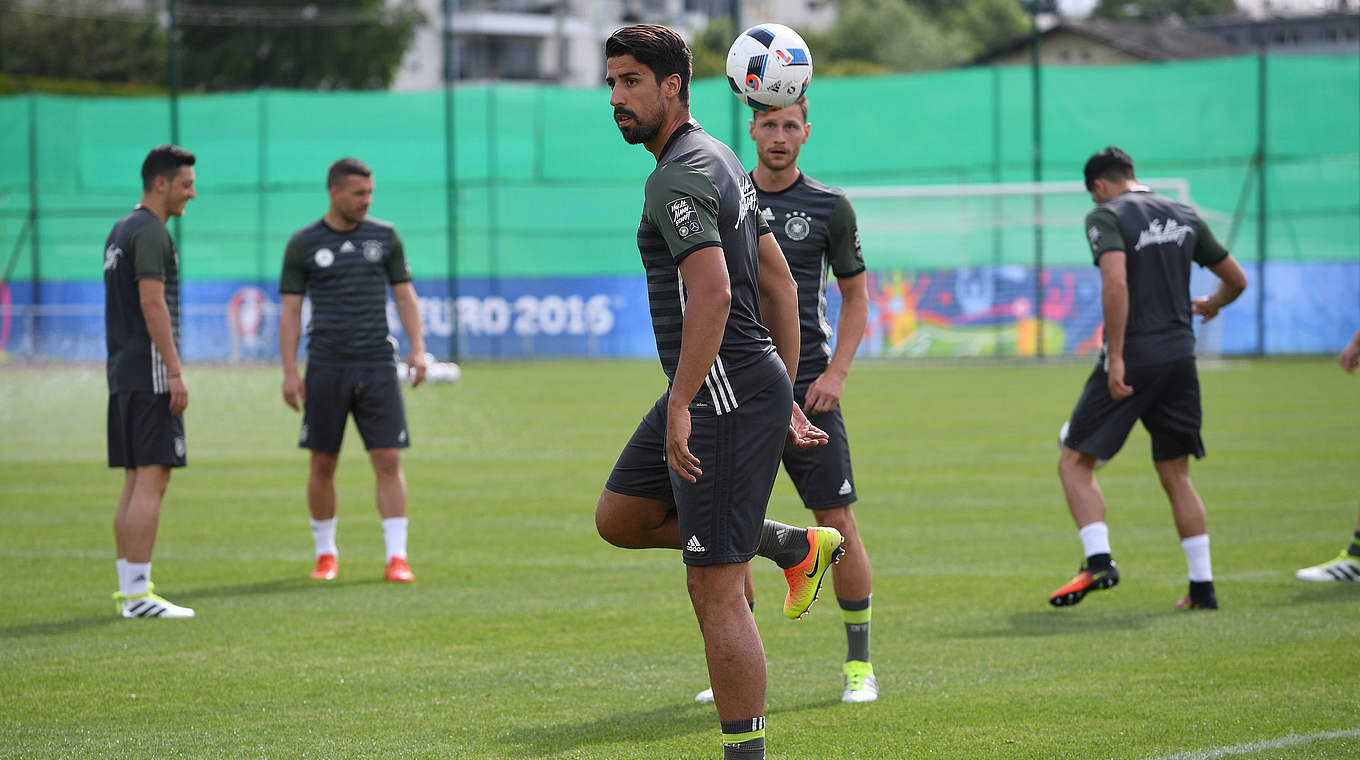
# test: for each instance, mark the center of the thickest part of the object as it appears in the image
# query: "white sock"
(1196, 550)
(394, 531)
(323, 534)
(137, 578)
(1095, 539)
(122, 574)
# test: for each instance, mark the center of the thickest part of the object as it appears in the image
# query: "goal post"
(956, 269)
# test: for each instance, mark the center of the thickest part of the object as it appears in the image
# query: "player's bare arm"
(408, 309)
(1114, 299)
(290, 331)
(779, 309)
(826, 391)
(1350, 355)
(151, 294)
(1231, 282)
(709, 298)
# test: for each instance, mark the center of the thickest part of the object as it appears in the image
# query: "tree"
(989, 23)
(284, 43)
(1152, 11)
(878, 36)
(79, 40)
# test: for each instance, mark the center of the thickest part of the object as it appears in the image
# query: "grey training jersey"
(699, 196)
(816, 229)
(1159, 237)
(346, 275)
(138, 248)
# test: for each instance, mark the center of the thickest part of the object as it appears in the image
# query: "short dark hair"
(346, 167)
(801, 104)
(1111, 164)
(164, 161)
(657, 47)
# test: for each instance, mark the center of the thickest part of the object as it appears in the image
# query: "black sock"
(784, 544)
(1098, 562)
(744, 739)
(1201, 591)
(1354, 548)
(856, 616)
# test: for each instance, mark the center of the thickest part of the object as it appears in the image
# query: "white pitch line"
(1246, 749)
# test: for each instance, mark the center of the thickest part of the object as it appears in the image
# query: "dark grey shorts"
(721, 515)
(1165, 397)
(143, 432)
(371, 392)
(822, 474)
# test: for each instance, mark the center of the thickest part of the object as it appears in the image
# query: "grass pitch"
(526, 636)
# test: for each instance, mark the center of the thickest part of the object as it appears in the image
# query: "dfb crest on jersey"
(684, 217)
(797, 227)
(373, 250)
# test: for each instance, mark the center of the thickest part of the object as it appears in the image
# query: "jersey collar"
(795, 183)
(685, 128)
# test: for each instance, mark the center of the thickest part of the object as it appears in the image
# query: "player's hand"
(416, 366)
(1350, 357)
(824, 393)
(678, 458)
(1205, 307)
(179, 395)
(804, 434)
(294, 391)
(1115, 380)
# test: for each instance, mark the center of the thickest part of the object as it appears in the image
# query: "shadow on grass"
(276, 586)
(53, 627)
(1062, 622)
(1322, 592)
(188, 596)
(638, 726)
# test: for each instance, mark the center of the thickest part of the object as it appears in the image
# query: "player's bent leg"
(1186, 506)
(850, 576)
(732, 646)
(636, 522)
(1084, 499)
(1086, 503)
(1191, 524)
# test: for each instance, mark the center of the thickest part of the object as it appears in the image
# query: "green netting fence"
(545, 186)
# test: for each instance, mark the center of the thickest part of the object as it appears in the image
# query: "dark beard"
(640, 132)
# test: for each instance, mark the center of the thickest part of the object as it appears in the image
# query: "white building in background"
(1265, 8)
(562, 40)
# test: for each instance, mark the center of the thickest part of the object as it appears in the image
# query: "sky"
(1076, 7)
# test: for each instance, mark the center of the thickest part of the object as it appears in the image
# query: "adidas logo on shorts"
(845, 488)
(694, 545)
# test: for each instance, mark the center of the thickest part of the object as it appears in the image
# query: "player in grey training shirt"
(696, 474)
(147, 392)
(1144, 245)
(816, 229)
(346, 262)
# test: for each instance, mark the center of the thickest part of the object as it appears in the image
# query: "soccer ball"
(769, 67)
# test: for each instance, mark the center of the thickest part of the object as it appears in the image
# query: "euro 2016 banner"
(985, 312)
